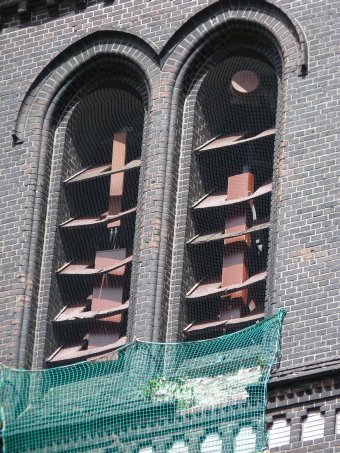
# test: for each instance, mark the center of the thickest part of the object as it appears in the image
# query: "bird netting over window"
(201, 396)
(105, 204)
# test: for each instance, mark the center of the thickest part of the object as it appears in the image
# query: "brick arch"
(265, 17)
(62, 121)
(266, 20)
(190, 61)
(54, 93)
(99, 48)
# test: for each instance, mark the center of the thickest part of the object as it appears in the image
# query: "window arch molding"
(52, 96)
(176, 59)
(266, 16)
(61, 154)
(41, 98)
(187, 86)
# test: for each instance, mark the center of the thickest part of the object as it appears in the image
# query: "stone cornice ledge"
(305, 372)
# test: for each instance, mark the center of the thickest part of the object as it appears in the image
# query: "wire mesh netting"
(203, 394)
(220, 232)
(200, 396)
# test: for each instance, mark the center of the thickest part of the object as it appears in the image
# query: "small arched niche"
(212, 444)
(234, 117)
(100, 141)
(245, 441)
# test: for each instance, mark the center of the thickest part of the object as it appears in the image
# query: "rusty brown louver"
(235, 280)
(233, 297)
(103, 313)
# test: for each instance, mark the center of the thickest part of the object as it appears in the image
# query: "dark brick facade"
(48, 58)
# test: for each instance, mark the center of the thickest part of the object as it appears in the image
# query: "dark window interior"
(105, 136)
(234, 134)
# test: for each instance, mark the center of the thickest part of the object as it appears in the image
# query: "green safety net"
(202, 396)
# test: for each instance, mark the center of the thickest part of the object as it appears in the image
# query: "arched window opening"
(313, 426)
(233, 151)
(212, 444)
(279, 432)
(179, 447)
(97, 207)
(245, 441)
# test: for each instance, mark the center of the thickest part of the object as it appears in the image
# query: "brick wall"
(156, 40)
(294, 403)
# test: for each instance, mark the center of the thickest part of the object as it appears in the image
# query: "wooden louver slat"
(102, 171)
(195, 327)
(210, 289)
(85, 269)
(88, 315)
(75, 353)
(218, 236)
(90, 222)
(234, 139)
(218, 200)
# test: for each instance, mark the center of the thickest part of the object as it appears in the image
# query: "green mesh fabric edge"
(203, 396)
